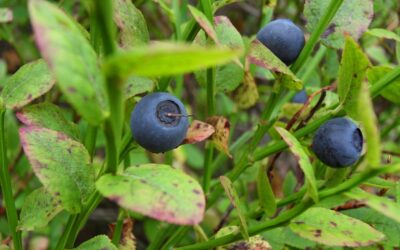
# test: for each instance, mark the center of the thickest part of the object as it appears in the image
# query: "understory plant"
(199, 124)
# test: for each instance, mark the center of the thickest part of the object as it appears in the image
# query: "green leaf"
(352, 73)
(131, 24)
(217, 4)
(166, 59)
(352, 18)
(234, 199)
(99, 242)
(204, 23)
(48, 115)
(354, 95)
(136, 85)
(28, 83)
(158, 191)
(263, 57)
(246, 95)
(334, 229)
(366, 115)
(71, 58)
(392, 91)
(389, 227)
(61, 164)
(266, 195)
(304, 161)
(382, 33)
(380, 204)
(6, 15)
(38, 209)
(229, 76)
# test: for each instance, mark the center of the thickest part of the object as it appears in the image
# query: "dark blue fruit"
(300, 97)
(159, 122)
(338, 143)
(283, 38)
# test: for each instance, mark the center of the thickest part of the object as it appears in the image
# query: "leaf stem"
(6, 187)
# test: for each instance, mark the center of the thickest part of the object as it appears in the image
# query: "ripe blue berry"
(283, 38)
(159, 122)
(300, 97)
(338, 143)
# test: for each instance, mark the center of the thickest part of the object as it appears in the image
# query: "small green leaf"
(166, 59)
(304, 161)
(158, 191)
(204, 23)
(352, 18)
(217, 4)
(246, 95)
(266, 195)
(366, 115)
(382, 33)
(136, 85)
(28, 83)
(334, 229)
(227, 77)
(234, 199)
(352, 73)
(61, 164)
(6, 15)
(380, 204)
(48, 115)
(263, 57)
(38, 209)
(99, 242)
(392, 91)
(132, 28)
(71, 58)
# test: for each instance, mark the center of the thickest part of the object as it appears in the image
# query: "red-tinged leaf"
(263, 57)
(198, 131)
(221, 134)
(158, 191)
(204, 23)
(61, 164)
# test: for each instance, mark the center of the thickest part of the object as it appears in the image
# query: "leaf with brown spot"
(38, 209)
(28, 83)
(221, 134)
(158, 197)
(61, 164)
(71, 59)
(234, 199)
(332, 228)
(198, 131)
(246, 95)
(380, 204)
(128, 241)
(101, 242)
(132, 28)
(48, 115)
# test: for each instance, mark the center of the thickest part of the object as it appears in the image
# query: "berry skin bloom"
(159, 122)
(338, 143)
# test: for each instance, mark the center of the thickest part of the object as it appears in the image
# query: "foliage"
(71, 73)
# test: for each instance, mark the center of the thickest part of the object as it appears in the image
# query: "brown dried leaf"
(198, 131)
(221, 135)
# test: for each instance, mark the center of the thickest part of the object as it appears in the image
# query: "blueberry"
(300, 97)
(283, 38)
(159, 122)
(338, 143)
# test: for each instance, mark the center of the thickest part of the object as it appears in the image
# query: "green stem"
(316, 34)
(175, 238)
(384, 82)
(90, 140)
(286, 216)
(118, 227)
(6, 187)
(64, 240)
